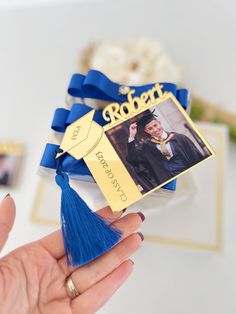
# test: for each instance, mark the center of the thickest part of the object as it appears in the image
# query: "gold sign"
(126, 156)
(116, 113)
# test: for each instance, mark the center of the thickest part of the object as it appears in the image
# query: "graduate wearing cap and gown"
(162, 154)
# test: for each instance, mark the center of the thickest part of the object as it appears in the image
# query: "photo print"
(158, 145)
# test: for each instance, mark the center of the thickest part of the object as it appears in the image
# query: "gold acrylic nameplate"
(105, 150)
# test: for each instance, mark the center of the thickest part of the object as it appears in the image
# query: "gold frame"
(121, 174)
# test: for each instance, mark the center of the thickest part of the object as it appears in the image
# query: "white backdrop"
(39, 46)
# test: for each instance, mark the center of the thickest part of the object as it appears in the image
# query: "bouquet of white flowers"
(131, 61)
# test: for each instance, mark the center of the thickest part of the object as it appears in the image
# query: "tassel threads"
(85, 234)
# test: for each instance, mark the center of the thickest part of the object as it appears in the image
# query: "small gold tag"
(81, 136)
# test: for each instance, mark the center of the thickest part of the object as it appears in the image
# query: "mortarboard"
(147, 117)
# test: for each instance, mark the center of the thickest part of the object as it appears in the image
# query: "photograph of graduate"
(157, 145)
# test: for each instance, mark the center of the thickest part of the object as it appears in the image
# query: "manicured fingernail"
(141, 235)
(124, 210)
(141, 215)
(8, 194)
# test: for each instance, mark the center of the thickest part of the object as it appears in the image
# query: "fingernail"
(141, 235)
(124, 210)
(132, 261)
(141, 215)
(8, 194)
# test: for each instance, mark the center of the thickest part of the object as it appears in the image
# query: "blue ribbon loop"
(95, 85)
(63, 117)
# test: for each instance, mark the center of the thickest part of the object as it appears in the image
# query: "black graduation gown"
(186, 150)
(149, 163)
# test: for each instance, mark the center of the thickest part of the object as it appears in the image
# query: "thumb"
(7, 217)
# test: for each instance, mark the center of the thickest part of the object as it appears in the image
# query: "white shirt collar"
(163, 136)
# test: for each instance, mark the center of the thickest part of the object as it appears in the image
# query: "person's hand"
(133, 130)
(32, 277)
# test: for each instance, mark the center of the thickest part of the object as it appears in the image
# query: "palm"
(43, 289)
(32, 278)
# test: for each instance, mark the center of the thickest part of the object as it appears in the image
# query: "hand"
(32, 277)
(133, 130)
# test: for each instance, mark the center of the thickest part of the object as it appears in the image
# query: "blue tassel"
(85, 234)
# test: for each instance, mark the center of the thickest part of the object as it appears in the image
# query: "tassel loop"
(62, 180)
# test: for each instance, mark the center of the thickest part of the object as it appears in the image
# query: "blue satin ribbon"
(95, 85)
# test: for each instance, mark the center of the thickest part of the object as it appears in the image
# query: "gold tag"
(124, 174)
(81, 136)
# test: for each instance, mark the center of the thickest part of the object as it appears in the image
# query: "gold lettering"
(111, 112)
(115, 112)
(145, 96)
(125, 109)
(160, 93)
(136, 103)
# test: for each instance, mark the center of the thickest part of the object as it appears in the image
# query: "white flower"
(133, 61)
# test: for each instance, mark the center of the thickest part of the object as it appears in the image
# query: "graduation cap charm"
(85, 234)
(81, 137)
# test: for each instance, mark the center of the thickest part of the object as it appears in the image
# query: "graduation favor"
(141, 141)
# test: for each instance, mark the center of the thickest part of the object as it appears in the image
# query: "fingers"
(86, 276)
(7, 218)
(53, 243)
(127, 225)
(107, 214)
(90, 301)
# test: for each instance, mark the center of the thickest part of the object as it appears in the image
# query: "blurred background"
(187, 263)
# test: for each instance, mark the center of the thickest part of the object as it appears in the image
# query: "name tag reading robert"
(148, 141)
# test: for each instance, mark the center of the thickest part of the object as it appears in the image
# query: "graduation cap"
(147, 117)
